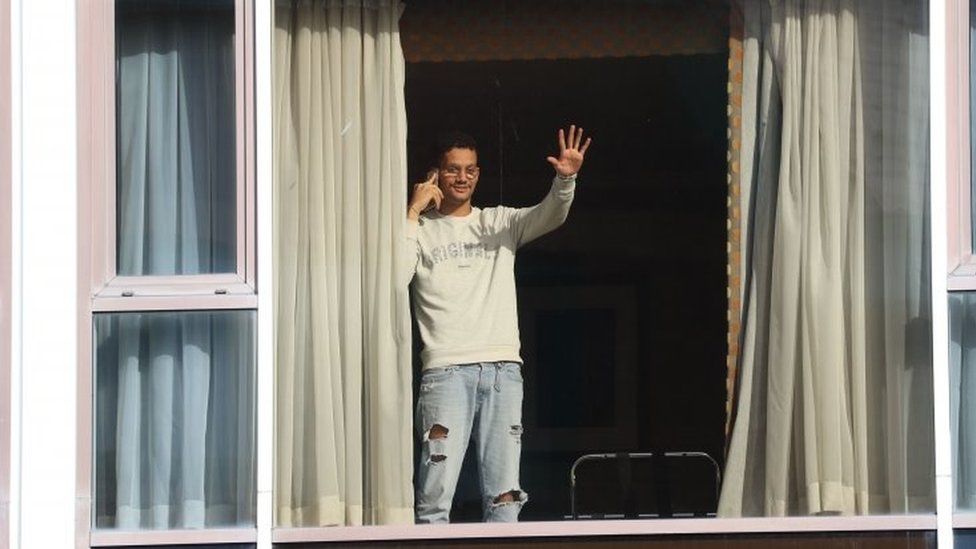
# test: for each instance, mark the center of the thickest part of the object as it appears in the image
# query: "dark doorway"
(623, 309)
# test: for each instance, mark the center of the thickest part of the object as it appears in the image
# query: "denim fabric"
(480, 402)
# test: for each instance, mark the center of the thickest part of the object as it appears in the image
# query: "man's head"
(456, 157)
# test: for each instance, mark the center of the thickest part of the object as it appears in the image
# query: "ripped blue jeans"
(480, 402)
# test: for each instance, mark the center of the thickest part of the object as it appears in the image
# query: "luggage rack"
(625, 458)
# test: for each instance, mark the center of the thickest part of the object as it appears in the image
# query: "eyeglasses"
(455, 172)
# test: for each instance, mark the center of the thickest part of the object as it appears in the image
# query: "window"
(628, 300)
(174, 419)
(832, 407)
(171, 316)
(962, 276)
(609, 301)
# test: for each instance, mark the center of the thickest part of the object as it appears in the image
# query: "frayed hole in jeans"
(512, 496)
(437, 432)
(435, 437)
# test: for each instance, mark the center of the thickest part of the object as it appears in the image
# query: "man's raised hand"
(425, 194)
(570, 152)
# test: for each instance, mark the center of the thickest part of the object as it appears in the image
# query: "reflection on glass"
(964, 539)
(176, 159)
(174, 420)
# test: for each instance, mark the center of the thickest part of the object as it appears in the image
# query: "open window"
(742, 281)
(623, 309)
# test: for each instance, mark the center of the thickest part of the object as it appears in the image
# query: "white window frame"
(102, 290)
(106, 282)
(6, 271)
(960, 256)
(961, 263)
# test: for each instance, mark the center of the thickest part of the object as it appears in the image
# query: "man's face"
(458, 175)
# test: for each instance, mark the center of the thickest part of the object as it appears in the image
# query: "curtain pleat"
(344, 448)
(835, 385)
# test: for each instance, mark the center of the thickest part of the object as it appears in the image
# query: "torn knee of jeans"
(436, 432)
(510, 497)
(435, 451)
(435, 438)
(516, 432)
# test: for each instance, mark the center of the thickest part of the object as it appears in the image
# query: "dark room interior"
(623, 309)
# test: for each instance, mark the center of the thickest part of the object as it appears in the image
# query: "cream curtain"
(834, 409)
(344, 419)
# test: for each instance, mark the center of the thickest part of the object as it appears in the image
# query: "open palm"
(570, 152)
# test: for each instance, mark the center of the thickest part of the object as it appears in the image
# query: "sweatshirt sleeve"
(530, 223)
(410, 254)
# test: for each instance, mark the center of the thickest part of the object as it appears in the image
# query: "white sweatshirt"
(464, 277)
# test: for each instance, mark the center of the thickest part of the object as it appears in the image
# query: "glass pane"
(174, 419)
(962, 386)
(176, 131)
(964, 539)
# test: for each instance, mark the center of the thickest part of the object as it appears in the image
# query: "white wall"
(45, 274)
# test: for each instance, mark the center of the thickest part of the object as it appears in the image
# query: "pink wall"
(5, 267)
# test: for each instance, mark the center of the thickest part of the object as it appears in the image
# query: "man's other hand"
(570, 152)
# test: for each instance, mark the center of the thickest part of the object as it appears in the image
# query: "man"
(463, 261)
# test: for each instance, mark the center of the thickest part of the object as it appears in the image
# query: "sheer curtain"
(174, 419)
(176, 137)
(834, 395)
(962, 361)
(344, 446)
(174, 405)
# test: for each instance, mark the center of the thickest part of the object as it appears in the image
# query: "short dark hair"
(448, 140)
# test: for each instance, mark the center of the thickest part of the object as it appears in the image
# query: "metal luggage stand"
(628, 456)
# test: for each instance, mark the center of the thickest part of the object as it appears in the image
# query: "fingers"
(428, 193)
(571, 139)
(552, 161)
(586, 145)
(437, 196)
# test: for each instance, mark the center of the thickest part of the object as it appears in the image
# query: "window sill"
(657, 527)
